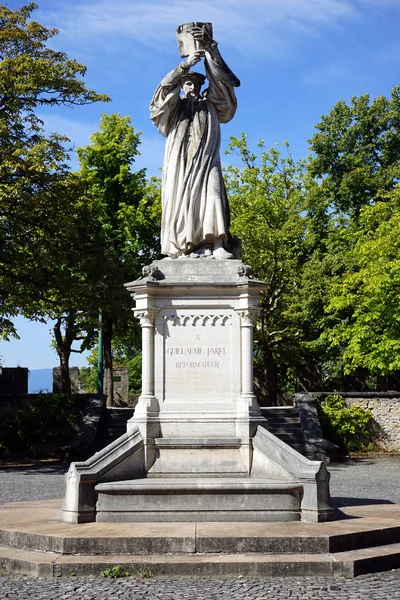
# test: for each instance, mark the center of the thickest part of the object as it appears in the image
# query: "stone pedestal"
(197, 447)
(197, 318)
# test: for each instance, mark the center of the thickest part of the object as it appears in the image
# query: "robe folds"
(195, 207)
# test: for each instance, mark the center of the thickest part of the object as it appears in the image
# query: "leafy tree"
(88, 374)
(357, 152)
(128, 210)
(266, 195)
(33, 167)
(366, 300)
(353, 232)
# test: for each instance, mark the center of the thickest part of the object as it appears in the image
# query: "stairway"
(112, 425)
(284, 422)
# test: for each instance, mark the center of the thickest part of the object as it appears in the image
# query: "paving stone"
(366, 479)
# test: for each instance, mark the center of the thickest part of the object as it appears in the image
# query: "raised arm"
(222, 80)
(165, 101)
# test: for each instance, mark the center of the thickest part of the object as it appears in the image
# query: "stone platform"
(212, 499)
(363, 539)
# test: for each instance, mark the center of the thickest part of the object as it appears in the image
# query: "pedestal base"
(196, 447)
(198, 499)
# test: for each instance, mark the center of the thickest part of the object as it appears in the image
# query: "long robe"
(195, 208)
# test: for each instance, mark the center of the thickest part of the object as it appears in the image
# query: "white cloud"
(268, 26)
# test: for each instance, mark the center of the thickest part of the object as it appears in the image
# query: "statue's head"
(191, 83)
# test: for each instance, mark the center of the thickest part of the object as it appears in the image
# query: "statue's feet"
(204, 251)
(221, 254)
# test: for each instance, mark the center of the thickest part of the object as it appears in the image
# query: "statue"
(195, 210)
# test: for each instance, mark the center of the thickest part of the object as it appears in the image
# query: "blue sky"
(295, 59)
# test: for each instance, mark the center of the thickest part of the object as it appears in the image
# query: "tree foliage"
(128, 212)
(34, 189)
(266, 194)
(357, 163)
(357, 152)
(367, 297)
(324, 236)
(350, 427)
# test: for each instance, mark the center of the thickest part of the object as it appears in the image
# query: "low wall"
(386, 413)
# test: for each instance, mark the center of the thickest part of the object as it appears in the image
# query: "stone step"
(284, 422)
(34, 541)
(350, 564)
(209, 498)
(115, 414)
(282, 429)
(280, 420)
(280, 410)
(115, 431)
(113, 425)
(369, 560)
(198, 443)
(115, 411)
(37, 526)
(294, 414)
(289, 438)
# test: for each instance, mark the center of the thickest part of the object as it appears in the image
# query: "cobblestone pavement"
(381, 586)
(353, 482)
(368, 479)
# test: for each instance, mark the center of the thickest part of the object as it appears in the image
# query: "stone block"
(74, 377)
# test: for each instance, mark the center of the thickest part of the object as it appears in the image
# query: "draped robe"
(195, 208)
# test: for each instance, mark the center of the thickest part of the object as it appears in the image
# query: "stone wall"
(14, 380)
(386, 413)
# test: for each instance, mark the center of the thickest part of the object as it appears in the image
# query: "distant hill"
(40, 380)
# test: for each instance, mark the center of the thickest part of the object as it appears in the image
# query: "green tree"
(123, 356)
(266, 195)
(33, 166)
(128, 210)
(366, 300)
(357, 152)
(353, 228)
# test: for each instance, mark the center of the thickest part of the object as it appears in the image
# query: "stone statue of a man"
(195, 211)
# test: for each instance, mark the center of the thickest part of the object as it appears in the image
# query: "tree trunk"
(266, 380)
(63, 351)
(108, 361)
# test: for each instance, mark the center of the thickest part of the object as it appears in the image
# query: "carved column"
(247, 319)
(147, 318)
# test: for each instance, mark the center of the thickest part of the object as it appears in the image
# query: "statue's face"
(191, 88)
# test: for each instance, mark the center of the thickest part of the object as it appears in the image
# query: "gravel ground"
(359, 480)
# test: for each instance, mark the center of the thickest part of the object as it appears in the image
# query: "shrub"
(48, 417)
(350, 427)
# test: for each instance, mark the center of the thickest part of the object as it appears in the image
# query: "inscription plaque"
(197, 358)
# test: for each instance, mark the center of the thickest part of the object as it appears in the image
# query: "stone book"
(187, 44)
